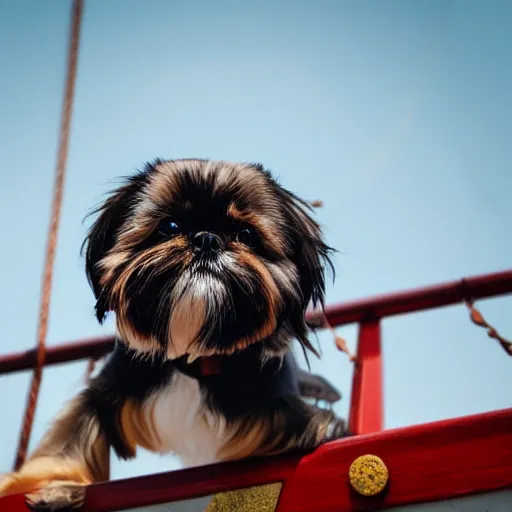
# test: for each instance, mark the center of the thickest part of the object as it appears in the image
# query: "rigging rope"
(76, 18)
(478, 319)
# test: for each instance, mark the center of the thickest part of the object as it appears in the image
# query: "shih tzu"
(209, 267)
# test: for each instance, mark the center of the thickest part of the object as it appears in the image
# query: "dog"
(209, 267)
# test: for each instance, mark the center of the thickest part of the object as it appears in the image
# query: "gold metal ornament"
(368, 475)
(262, 498)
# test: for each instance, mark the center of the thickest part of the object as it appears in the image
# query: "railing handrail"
(376, 307)
(421, 299)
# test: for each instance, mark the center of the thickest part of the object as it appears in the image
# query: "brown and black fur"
(266, 266)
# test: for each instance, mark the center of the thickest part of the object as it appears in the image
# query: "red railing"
(367, 313)
(366, 407)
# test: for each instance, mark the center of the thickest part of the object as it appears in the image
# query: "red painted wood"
(476, 287)
(13, 503)
(426, 462)
(176, 485)
(187, 483)
(366, 406)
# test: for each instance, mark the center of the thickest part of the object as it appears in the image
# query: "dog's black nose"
(207, 242)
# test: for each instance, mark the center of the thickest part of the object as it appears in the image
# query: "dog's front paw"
(58, 496)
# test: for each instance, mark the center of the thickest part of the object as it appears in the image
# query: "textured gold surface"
(262, 498)
(368, 475)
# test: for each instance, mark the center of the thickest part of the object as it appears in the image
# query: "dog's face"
(202, 257)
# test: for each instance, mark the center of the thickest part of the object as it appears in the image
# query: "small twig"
(478, 319)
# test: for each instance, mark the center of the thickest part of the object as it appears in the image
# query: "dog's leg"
(290, 425)
(72, 454)
(305, 427)
(324, 426)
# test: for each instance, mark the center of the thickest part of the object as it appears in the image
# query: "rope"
(52, 234)
(478, 319)
(320, 321)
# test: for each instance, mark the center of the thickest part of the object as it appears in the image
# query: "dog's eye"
(169, 227)
(247, 237)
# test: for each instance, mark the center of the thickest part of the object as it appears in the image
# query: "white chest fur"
(184, 426)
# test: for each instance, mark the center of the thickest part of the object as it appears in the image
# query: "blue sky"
(397, 114)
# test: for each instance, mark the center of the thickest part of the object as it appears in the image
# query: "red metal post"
(366, 406)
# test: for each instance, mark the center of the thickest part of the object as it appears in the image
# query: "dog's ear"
(102, 235)
(310, 253)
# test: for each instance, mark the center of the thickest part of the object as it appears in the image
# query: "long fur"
(197, 259)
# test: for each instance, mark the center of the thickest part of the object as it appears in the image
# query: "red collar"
(209, 365)
(206, 366)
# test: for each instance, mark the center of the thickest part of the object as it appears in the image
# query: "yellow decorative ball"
(368, 475)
